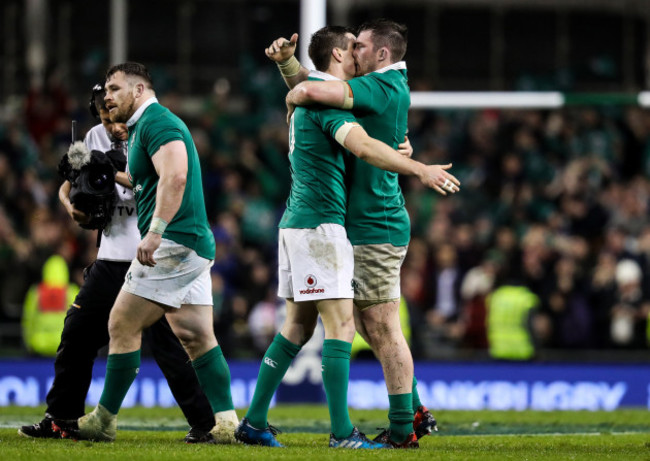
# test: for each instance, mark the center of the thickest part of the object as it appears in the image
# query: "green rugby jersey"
(376, 212)
(156, 127)
(317, 163)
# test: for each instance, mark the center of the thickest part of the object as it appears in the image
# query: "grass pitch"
(150, 434)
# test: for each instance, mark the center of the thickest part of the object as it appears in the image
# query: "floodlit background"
(554, 195)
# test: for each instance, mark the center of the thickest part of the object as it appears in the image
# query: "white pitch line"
(542, 434)
(130, 426)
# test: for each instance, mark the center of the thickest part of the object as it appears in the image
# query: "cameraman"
(85, 328)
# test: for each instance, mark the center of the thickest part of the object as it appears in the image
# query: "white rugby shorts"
(179, 277)
(315, 264)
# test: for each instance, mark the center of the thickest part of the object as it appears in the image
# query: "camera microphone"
(92, 178)
(78, 155)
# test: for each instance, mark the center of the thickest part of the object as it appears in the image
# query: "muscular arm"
(356, 140)
(171, 165)
(329, 93)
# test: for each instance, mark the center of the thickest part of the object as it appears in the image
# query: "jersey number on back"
(292, 136)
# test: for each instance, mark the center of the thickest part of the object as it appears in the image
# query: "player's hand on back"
(405, 149)
(282, 49)
(291, 108)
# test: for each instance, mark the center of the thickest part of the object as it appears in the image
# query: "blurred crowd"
(556, 200)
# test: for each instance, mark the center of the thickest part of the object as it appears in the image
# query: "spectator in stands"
(566, 305)
(569, 178)
(630, 312)
(443, 317)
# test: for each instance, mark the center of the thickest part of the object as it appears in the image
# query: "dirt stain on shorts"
(324, 252)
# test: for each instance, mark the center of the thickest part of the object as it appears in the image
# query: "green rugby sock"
(214, 377)
(121, 370)
(336, 375)
(400, 415)
(416, 396)
(275, 364)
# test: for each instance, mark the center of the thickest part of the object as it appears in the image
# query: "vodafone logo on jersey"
(310, 282)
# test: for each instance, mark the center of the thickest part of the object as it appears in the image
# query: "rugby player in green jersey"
(170, 275)
(315, 257)
(377, 222)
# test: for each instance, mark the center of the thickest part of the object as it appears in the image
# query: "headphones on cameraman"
(96, 98)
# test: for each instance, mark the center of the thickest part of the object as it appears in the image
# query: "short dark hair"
(323, 41)
(131, 68)
(389, 34)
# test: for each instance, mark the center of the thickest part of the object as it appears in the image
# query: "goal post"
(522, 100)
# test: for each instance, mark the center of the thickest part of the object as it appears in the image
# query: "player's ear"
(138, 89)
(338, 54)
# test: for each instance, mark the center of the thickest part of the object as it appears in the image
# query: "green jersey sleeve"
(162, 130)
(369, 94)
(331, 120)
